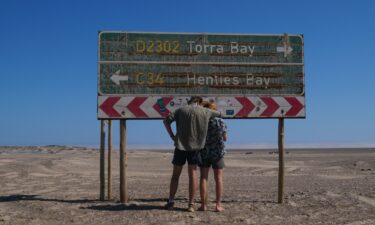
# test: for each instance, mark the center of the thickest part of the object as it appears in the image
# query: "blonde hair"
(209, 104)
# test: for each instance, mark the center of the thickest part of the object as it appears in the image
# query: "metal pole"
(123, 163)
(281, 160)
(109, 172)
(102, 160)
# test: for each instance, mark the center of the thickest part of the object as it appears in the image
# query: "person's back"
(191, 124)
(216, 133)
(212, 155)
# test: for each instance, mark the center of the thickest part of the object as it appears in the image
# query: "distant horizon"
(229, 147)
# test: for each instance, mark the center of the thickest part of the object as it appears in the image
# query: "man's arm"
(169, 128)
(214, 113)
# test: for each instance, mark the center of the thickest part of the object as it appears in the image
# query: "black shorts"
(180, 157)
(215, 165)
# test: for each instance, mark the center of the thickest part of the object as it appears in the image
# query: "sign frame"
(210, 96)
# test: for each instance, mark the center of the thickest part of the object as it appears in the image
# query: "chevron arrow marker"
(108, 106)
(272, 106)
(247, 107)
(296, 106)
(135, 107)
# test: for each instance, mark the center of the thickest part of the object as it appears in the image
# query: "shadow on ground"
(134, 204)
(16, 198)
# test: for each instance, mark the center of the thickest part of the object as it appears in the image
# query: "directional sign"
(156, 67)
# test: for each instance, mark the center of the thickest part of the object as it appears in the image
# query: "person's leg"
(192, 182)
(218, 173)
(179, 159)
(174, 182)
(203, 187)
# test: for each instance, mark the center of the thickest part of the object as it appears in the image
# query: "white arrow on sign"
(287, 50)
(116, 77)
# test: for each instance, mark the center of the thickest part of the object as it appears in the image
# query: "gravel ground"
(60, 185)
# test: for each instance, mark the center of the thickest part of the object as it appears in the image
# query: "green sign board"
(150, 64)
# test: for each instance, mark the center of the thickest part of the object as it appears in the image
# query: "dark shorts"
(180, 157)
(215, 165)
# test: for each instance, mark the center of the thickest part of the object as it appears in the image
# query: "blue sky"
(48, 58)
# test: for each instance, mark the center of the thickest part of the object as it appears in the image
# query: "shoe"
(169, 206)
(191, 208)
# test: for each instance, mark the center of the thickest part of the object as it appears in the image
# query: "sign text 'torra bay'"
(184, 64)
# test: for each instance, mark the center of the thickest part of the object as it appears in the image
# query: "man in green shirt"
(191, 131)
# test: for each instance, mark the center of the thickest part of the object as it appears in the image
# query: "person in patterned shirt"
(213, 155)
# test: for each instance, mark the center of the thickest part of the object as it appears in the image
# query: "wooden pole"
(109, 172)
(281, 160)
(102, 160)
(123, 163)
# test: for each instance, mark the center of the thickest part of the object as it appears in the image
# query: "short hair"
(195, 99)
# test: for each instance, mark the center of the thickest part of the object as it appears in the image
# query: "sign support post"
(281, 160)
(109, 172)
(102, 160)
(123, 163)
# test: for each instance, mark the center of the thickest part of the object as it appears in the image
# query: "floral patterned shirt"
(215, 148)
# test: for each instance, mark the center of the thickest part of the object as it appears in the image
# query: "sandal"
(169, 205)
(191, 208)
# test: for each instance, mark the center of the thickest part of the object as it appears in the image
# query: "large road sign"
(146, 75)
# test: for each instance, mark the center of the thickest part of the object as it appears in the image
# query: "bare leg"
(218, 173)
(203, 188)
(174, 181)
(192, 182)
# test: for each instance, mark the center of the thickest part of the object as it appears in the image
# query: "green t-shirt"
(191, 126)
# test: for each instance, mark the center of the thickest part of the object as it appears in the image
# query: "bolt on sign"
(148, 75)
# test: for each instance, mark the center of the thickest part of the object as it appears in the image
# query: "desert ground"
(60, 185)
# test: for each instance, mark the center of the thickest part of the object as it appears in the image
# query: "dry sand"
(60, 185)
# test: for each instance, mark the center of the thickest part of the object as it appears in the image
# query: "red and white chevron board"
(154, 107)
